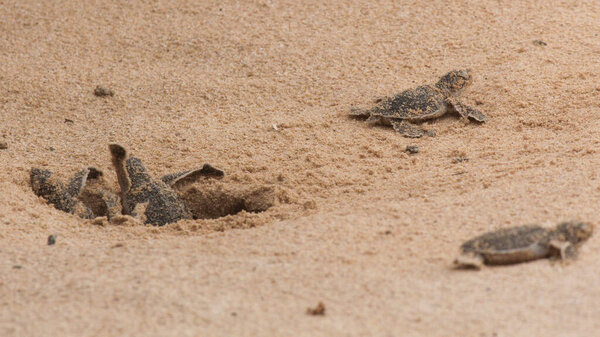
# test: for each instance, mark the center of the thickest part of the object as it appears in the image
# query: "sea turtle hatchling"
(423, 103)
(86, 194)
(153, 201)
(524, 243)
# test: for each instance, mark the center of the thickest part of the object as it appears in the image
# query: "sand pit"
(318, 207)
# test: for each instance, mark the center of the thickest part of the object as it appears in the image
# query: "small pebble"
(319, 310)
(539, 43)
(310, 204)
(101, 91)
(412, 149)
(16, 266)
(3, 145)
(51, 240)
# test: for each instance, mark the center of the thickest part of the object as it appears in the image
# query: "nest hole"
(219, 201)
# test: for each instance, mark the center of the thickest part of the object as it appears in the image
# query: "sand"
(262, 90)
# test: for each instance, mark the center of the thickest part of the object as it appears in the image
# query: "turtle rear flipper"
(112, 203)
(181, 179)
(377, 120)
(359, 112)
(82, 211)
(98, 196)
(468, 112)
(410, 130)
(469, 261)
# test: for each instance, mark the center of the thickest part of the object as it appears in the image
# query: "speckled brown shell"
(421, 103)
(163, 205)
(510, 245)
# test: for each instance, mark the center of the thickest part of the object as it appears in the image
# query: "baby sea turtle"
(423, 103)
(153, 201)
(524, 243)
(86, 194)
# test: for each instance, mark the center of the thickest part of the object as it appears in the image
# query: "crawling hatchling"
(524, 243)
(423, 103)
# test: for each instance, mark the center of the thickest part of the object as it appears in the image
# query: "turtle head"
(41, 183)
(137, 171)
(574, 231)
(455, 81)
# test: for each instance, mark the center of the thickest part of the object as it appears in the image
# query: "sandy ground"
(359, 224)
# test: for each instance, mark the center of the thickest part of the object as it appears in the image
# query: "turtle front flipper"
(410, 130)
(76, 185)
(118, 156)
(467, 112)
(562, 250)
(181, 179)
(98, 196)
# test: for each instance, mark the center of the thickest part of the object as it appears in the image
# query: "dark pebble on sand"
(319, 310)
(101, 91)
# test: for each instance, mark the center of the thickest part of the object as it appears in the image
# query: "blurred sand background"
(360, 225)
